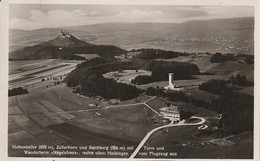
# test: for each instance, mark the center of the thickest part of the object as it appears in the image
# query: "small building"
(57, 78)
(172, 113)
(114, 101)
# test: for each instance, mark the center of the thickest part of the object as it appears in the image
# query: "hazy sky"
(51, 16)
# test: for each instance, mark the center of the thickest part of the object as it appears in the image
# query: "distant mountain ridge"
(234, 35)
(64, 46)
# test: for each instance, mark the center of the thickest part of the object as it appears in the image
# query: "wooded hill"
(93, 69)
(64, 47)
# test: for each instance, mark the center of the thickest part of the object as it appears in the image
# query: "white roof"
(170, 109)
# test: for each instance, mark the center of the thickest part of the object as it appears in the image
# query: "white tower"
(171, 78)
(171, 85)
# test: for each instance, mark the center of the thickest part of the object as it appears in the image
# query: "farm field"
(29, 72)
(26, 65)
(38, 113)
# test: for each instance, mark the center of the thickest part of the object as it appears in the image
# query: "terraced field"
(23, 73)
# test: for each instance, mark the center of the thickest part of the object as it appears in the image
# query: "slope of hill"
(223, 35)
(64, 46)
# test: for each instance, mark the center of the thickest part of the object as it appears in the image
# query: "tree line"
(17, 91)
(218, 86)
(221, 58)
(148, 54)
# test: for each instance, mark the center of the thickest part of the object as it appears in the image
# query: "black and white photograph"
(131, 81)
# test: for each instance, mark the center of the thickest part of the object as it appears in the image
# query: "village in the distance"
(70, 95)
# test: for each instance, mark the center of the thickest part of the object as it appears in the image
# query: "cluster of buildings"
(52, 78)
(171, 113)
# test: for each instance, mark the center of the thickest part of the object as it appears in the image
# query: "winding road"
(181, 123)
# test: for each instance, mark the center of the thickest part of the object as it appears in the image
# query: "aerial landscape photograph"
(131, 81)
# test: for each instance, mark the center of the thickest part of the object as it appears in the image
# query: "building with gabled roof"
(172, 113)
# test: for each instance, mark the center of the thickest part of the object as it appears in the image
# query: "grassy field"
(128, 123)
(126, 76)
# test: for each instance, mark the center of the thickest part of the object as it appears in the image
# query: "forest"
(237, 112)
(218, 86)
(161, 69)
(221, 58)
(97, 85)
(17, 91)
(149, 54)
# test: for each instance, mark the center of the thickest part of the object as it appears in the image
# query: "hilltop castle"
(64, 34)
